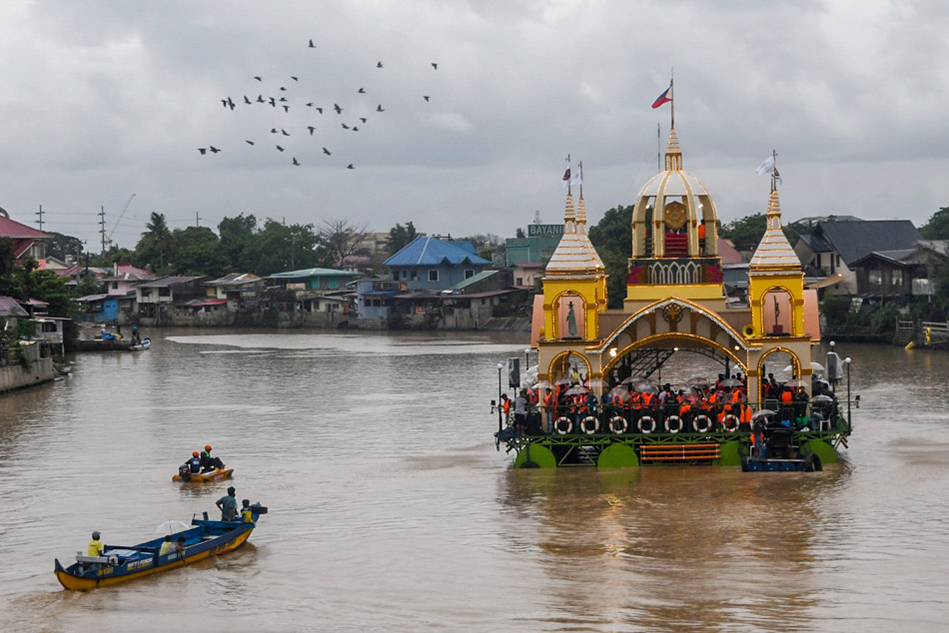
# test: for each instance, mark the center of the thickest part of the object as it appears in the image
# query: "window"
(874, 277)
(164, 292)
(897, 277)
(433, 275)
(115, 285)
(469, 273)
(519, 281)
(413, 275)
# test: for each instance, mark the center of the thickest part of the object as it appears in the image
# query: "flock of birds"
(282, 102)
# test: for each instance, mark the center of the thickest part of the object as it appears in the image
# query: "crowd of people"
(644, 407)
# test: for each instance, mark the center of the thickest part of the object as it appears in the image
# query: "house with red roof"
(27, 241)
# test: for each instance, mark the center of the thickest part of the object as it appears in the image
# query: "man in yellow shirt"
(95, 547)
(167, 547)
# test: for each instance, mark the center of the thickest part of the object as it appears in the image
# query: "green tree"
(401, 236)
(283, 248)
(937, 228)
(745, 233)
(156, 244)
(612, 237)
(61, 246)
(197, 252)
(239, 247)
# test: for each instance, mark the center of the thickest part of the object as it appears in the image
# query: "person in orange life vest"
(506, 406)
(702, 237)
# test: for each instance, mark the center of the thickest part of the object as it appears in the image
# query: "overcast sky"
(102, 99)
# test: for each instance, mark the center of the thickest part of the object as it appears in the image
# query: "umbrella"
(621, 393)
(698, 381)
(543, 384)
(822, 398)
(563, 381)
(628, 380)
(814, 365)
(731, 383)
(576, 391)
(644, 386)
(170, 527)
(797, 382)
(762, 413)
(596, 383)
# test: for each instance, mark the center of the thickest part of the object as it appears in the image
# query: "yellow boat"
(216, 475)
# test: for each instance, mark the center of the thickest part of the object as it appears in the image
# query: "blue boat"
(121, 563)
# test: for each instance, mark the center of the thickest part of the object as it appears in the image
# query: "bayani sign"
(544, 230)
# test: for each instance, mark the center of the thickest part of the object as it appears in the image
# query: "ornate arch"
(795, 365)
(688, 336)
(553, 362)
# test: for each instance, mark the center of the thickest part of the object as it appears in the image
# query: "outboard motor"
(184, 471)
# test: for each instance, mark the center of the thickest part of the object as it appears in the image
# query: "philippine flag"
(663, 98)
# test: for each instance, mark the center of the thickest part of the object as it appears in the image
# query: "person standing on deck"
(228, 505)
(520, 412)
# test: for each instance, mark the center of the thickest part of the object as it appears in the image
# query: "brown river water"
(390, 509)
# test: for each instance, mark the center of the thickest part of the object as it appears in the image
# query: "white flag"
(767, 167)
(578, 177)
(565, 181)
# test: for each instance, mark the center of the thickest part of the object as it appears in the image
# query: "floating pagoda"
(675, 304)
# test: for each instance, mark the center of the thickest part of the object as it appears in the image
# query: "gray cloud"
(108, 98)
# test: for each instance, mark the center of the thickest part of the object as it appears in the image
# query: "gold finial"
(673, 153)
(569, 216)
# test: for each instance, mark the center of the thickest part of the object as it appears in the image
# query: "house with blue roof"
(428, 263)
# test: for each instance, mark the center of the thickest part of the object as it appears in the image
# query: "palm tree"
(157, 237)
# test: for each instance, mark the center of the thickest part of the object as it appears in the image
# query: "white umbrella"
(170, 527)
(814, 365)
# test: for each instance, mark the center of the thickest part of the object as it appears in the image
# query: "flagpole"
(658, 146)
(672, 96)
(774, 175)
(580, 174)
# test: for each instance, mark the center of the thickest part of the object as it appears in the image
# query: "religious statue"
(571, 320)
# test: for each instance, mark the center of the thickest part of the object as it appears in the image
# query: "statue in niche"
(571, 320)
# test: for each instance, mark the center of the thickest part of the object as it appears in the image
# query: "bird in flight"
(280, 148)
(355, 129)
(309, 105)
(273, 102)
(249, 142)
(282, 99)
(260, 99)
(361, 91)
(345, 127)
(213, 149)
(286, 108)
(379, 108)
(320, 110)
(273, 130)
(312, 45)
(426, 97)
(363, 119)
(295, 161)
(257, 78)
(434, 65)
(311, 128)
(246, 100)
(294, 78)
(325, 151)
(378, 64)
(350, 166)
(338, 109)
(204, 150)
(284, 132)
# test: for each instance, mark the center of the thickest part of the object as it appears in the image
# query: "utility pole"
(197, 220)
(40, 221)
(102, 226)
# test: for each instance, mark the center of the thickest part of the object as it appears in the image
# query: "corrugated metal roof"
(10, 307)
(853, 240)
(164, 282)
(313, 272)
(430, 251)
(13, 229)
(484, 274)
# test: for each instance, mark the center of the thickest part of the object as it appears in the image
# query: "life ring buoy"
(642, 423)
(748, 331)
(584, 425)
(618, 425)
(706, 424)
(559, 425)
(731, 422)
(669, 422)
